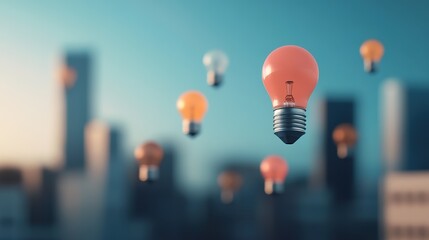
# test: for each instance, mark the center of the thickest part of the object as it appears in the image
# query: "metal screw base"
(214, 79)
(191, 128)
(370, 67)
(273, 188)
(148, 173)
(289, 123)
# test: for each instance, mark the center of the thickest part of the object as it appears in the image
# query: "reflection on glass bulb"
(372, 51)
(274, 170)
(192, 106)
(296, 67)
(149, 156)
(216, 63)
(345, 137)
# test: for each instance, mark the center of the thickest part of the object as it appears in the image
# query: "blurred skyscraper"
(406, 206)
(77, 78)
(339, 174)
(159, 203)
(405, 126)
(13, 214)
(92, 202)
(43, 199)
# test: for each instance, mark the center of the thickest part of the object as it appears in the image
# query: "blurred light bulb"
(274, 170)
(345, 137)
(229, 183)
(149, 156)
(216, 63)
(290, 74)
(372, 51)
(192, 106)
(67, 76)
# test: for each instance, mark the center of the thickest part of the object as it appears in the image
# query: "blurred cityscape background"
(83, 83)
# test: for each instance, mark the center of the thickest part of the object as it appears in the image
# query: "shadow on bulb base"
(289, 123)
(214, 79)
(191, 128)
(273, 188)
(148, 173)
(370, 67)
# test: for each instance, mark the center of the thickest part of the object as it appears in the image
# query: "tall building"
(160, 203)
(76, 78)
(405, 126)
(339, 174)
(13, 214)
(43, 199)
(406, 206)
(107, 174)
(87, 197)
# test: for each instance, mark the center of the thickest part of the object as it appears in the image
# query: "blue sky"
(148, 52)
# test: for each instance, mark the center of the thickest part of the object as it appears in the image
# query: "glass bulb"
(274, 170)
(290, 74)
(371, 51)
(149, 156)
(345, 137)
(192, 106)
(216, 63)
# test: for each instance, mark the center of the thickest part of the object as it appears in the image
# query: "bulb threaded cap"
(191, 128)
(148, 173)
(370, 66)
(289, 123)
(273, 188)
(214, 79)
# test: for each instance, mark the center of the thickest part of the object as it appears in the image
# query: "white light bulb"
(216, 63)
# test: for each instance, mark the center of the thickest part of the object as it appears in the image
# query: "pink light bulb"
(274, 170)
(290, 74)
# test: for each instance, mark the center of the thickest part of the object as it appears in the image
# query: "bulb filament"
(289, 100)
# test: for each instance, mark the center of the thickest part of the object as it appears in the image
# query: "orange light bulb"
(274, 170)
(345, 137)
(290, 74)
(229, 183)
(149, 156)
(192, 106)
(67, 76)
(371, 51)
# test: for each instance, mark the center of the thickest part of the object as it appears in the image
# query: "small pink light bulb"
(290, 74)
(274, 170)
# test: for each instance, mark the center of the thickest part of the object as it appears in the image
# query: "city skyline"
(149, 57)
(100, 103)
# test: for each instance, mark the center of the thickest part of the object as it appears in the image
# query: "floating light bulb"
(372, 51)
(290, 74)
(274, 170)
(192, 107)
(216, 63)
(67, 76)
(149, 156)
(229, 183)
(345, 137)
